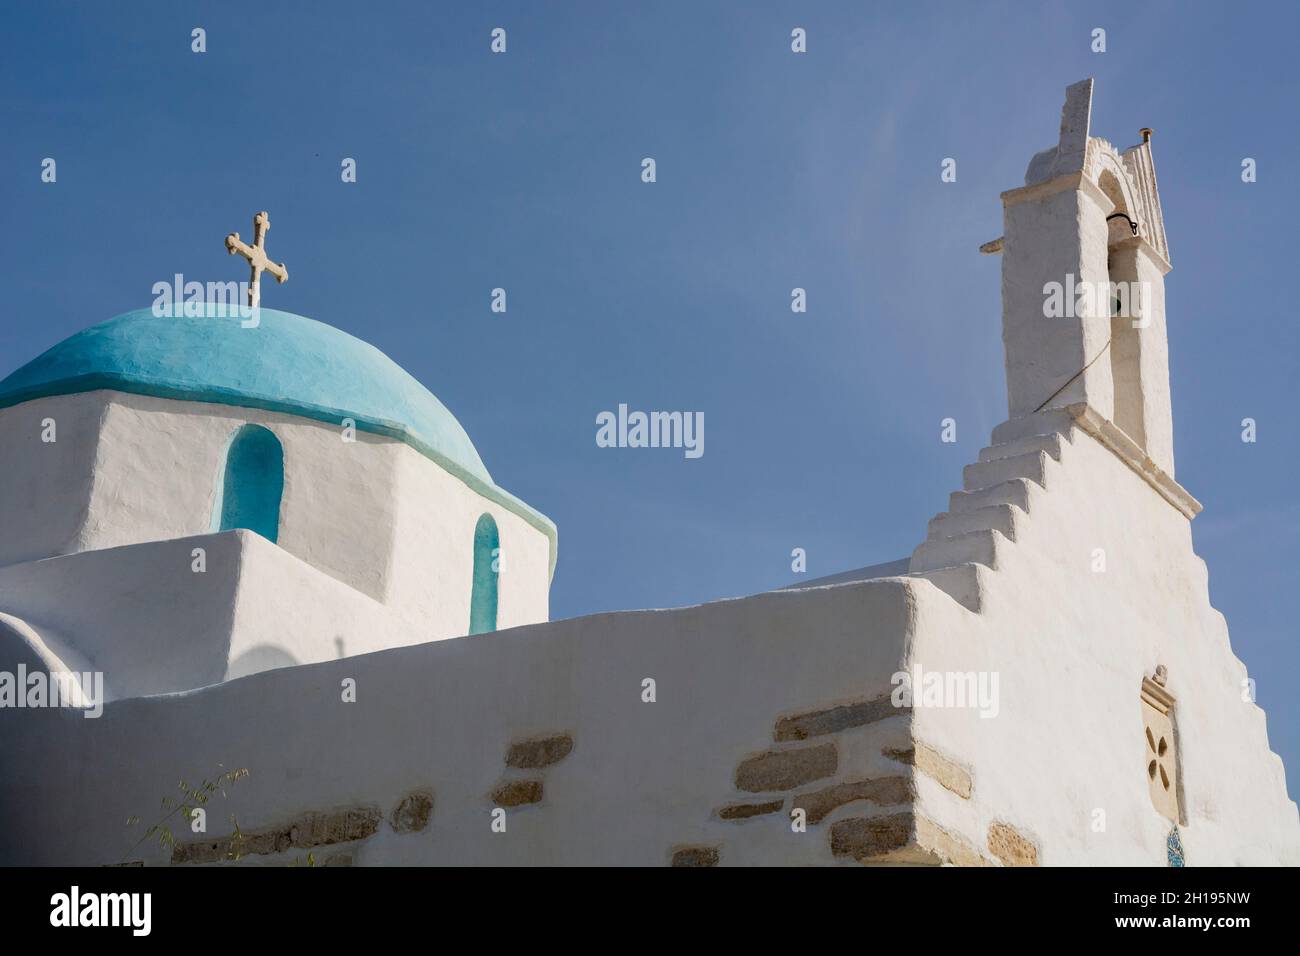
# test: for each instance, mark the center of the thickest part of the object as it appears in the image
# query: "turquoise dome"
(287, 363)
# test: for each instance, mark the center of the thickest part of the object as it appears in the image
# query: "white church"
(265, 573)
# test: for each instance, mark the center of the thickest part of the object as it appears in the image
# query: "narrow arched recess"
(252, 484)
(487, 567)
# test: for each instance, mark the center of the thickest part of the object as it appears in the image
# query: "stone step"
(1050, 420)
(1050, 444)
(964, 583)
(973, 547)
(1001, 517)
(985, 474)
(1019, 492)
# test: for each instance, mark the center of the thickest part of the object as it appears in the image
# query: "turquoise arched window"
(252, 484)
(487, 565)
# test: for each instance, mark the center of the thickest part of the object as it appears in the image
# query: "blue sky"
(774, 171)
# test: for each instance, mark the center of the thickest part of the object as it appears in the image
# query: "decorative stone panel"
(1160, 747)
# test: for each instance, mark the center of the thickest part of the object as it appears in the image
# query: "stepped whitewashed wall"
(1071, 646)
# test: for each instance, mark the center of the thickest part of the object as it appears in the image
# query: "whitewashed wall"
(374, 514)
(642, 777)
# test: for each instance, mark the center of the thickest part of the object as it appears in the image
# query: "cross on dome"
(256, 256)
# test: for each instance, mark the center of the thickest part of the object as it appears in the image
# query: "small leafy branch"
(194, 797)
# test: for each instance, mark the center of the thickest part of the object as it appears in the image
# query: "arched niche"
(252, 484)
(487, 566)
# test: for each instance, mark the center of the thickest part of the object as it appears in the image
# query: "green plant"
(195, 797)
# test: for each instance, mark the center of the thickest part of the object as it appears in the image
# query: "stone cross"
(256, 256)
(1076, 118)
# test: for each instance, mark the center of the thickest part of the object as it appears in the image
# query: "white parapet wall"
(153, 624)
(638, 781)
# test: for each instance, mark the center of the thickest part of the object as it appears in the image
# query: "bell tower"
(1083, 264)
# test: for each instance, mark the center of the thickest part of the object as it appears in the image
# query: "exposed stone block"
(834, 719)
(901, 838)
(539, 752)
(884, 791)
(743, 811)
(866, 837)
(343, 826)
(412, 813)
(315, 828)
(695, 856)
(785, 769)
(945, 847)
(517, 793)
(929, 761)
(205, 852)
(259, 843)
(1011, 846)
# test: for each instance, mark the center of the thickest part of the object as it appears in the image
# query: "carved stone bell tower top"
(1132, 170)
